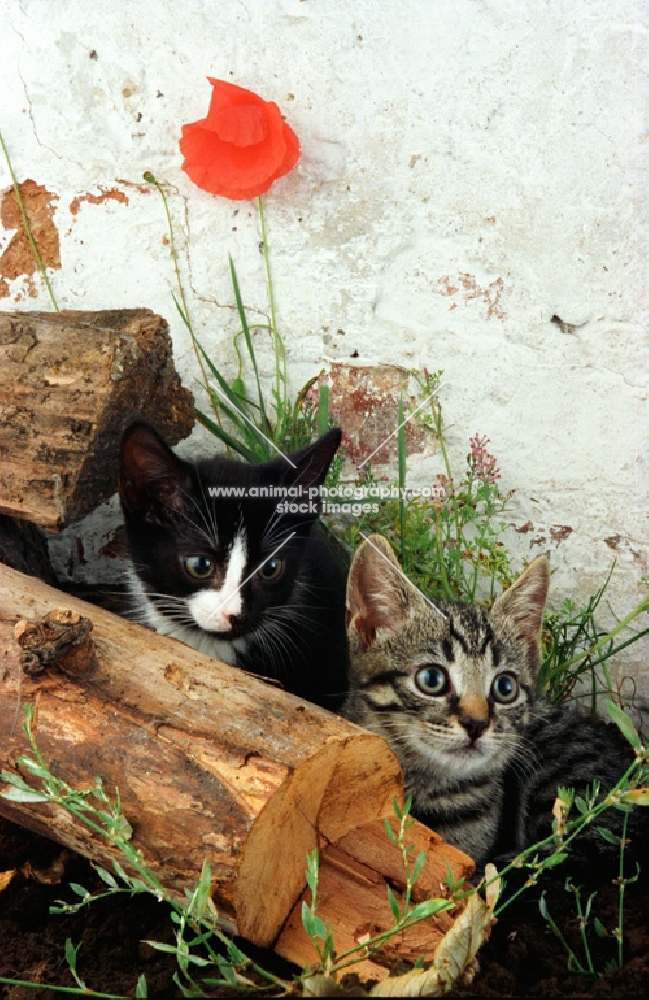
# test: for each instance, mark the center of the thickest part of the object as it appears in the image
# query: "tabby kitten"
(234, 575)
(452, 687)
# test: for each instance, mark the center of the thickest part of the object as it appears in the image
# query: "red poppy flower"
(242, 146)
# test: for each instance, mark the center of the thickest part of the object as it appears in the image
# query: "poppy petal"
(245, 125)
(241, 147)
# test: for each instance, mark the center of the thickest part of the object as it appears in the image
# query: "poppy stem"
(27, 228)
(280, 353)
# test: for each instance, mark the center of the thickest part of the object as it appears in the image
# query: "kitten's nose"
(474, 727)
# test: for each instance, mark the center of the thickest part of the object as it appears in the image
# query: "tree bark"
(209, 762)
(69, 384)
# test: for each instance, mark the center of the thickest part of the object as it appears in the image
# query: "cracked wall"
(471, 196)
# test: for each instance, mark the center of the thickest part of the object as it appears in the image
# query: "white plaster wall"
(501, 140)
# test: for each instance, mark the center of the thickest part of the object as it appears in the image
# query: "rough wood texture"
(352, 897)
(69, 383)
(210, 762)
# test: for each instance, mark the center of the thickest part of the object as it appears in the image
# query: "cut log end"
(210, 763)
(69, 384)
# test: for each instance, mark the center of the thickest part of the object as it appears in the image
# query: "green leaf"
(71, 955)
(624, 724)
(581, 805)
(160, 946)
(420, 861)
(543, 907)
(600, 930)
(34, 767)
(251, 351)
(79, 890)
(429, 907)
(183, 315)
(22, 795)
(140, 989)
(13, 779)
(227, 972)
(390, 832)
(323, 409)
(106, 877)
(319, 928)
(555, 859)
(238, 388)
(185, 990)
(235, 954)
(609, 837)
(308, 919)
(223, 436)
(394, 906)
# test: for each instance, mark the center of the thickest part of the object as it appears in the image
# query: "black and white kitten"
(239, 577)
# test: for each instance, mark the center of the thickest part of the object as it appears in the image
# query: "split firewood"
(213, 763)
(69, 384)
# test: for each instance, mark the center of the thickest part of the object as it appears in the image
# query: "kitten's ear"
(150, 475)
(312, 463)
(524, 602)
(378, 596)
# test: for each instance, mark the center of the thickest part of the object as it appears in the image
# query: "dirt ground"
(522, 959)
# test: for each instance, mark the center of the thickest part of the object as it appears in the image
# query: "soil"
(522, 959)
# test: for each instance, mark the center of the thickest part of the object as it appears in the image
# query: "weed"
(203, 951)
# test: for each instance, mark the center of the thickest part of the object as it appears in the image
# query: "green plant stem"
(622, 884)
(72, 990)
(280, 352)
(439, 431)
(401, 450)
(582, 929)
(150, 179)
(638, 610)
(440, 555)
(572, 958)
(27, 228)
(573, 829)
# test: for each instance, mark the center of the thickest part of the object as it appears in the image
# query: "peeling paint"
(559, 532)
(491, 295)
(18, 257)
(366, 402)
(524, 528)
(105, 194)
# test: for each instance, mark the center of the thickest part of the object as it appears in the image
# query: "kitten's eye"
(432, 680)
(505, 688)
(271, 571)
(199, 567)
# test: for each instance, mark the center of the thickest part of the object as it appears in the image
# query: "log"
(69, 383)
(23, 546)
(212, 763)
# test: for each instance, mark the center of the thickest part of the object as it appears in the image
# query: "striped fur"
(452, 690)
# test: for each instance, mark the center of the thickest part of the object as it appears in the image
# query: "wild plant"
(451, 543)
(256, 429)
(209, 960)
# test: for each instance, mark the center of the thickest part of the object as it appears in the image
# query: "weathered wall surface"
(471, 196)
